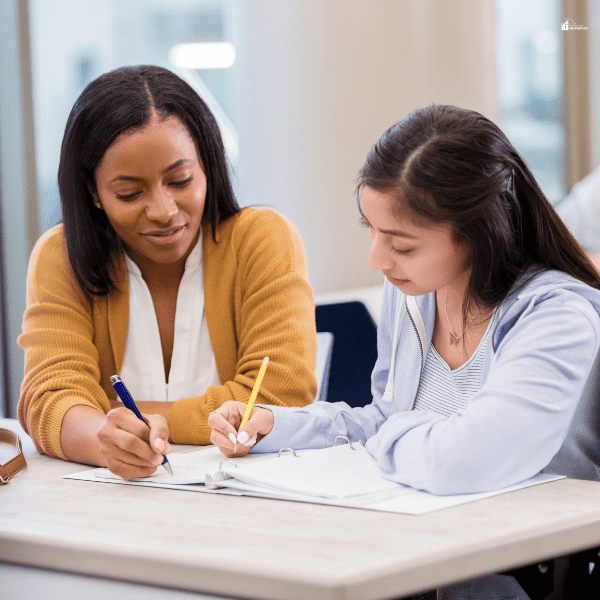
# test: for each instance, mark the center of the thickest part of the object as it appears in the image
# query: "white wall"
(317, 82)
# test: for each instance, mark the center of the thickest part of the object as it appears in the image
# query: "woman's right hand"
(225, 422)
(130, 448)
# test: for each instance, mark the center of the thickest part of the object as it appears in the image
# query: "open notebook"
(342, 475)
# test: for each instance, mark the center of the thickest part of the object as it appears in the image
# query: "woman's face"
(416, 259)
(152, 187)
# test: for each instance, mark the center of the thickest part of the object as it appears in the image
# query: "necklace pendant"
(453, 339)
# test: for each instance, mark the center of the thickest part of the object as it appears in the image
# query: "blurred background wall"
(313, 86)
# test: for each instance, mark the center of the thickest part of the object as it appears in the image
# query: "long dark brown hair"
(120, 101)
(451, 165)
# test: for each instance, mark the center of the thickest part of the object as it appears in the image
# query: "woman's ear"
(97, 202)
(94, 195)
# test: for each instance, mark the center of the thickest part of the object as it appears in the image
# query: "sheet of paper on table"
(190, 467)
(190, 472)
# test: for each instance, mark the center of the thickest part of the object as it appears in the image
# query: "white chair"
(323, 364)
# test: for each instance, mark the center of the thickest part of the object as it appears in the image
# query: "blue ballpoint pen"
(127, 400)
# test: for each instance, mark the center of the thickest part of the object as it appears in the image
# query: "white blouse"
(193, 366)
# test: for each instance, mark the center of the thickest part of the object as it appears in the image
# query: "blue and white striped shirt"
(446, 391)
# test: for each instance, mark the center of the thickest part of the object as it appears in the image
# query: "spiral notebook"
(344, 474)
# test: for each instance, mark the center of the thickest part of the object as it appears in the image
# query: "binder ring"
(225, 461)
(288, 449)
(343, 437)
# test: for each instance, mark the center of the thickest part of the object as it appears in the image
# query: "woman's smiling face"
(151, 185)
(416, 259)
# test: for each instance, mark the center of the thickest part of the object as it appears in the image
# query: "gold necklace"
(455, 338)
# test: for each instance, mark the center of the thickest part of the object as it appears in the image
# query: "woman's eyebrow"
(176, 164)
(398, 233)
(394, 232)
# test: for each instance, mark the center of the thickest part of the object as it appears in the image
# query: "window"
(74, 42)
(531, 87)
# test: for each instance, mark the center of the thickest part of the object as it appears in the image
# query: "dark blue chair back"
(354, 350)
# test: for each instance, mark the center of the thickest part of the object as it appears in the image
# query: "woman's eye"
(181, 183)
(127, 196)
(133, 195)
(404, 252)
(363, 223)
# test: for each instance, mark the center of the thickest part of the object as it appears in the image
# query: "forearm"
(78, 435)
(317, 425)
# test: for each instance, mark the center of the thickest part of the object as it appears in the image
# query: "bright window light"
(203, 56)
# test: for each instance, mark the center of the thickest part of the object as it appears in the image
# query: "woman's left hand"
(225, 422)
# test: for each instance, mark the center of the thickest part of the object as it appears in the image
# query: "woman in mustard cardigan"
(157, 275)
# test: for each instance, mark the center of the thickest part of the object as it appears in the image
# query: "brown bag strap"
(15, 464)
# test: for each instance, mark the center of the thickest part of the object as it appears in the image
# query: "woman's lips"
(163, 237)
(395, 281)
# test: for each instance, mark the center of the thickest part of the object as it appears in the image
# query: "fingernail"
(233, 438)
(251, 442)
(160, 444)
(242, 438)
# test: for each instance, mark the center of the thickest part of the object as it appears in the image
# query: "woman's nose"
(161, 207)
(380, 257)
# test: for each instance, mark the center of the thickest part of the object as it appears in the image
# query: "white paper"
(402, 499)
(349, 477)
(337, 472)
(191, 467)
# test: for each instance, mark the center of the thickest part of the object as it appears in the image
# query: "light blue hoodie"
(535, 410)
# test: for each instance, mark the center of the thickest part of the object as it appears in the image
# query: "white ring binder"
(227, 461)
(343, 437)
(288, 449)
(212, 481)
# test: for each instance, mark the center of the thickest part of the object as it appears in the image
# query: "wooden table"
(258, 548)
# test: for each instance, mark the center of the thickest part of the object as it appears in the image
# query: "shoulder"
(255, 231)
(52, 241)
(551, 286)
(50, 273)
(546, 297)
(257, 223)
(49, 251)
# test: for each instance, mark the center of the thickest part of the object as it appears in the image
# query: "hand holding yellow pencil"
(243, 437)
(254, 394)
(223, 422)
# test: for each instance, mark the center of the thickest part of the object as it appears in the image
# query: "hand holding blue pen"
(128, 401)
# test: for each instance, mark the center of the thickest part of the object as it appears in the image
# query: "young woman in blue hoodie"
(489, 329)
(490, 322)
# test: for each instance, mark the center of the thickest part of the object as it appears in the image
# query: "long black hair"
(120, 101)
(451, 165)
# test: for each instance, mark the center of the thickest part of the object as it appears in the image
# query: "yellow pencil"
(261, 374)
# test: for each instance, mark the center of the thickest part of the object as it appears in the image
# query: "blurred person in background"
(580, 210)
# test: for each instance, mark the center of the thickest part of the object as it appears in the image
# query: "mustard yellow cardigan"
(258, 303)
